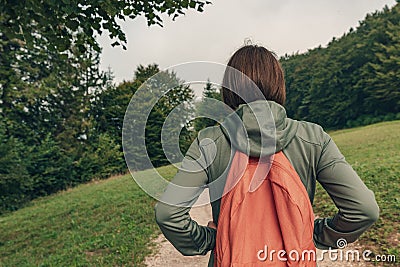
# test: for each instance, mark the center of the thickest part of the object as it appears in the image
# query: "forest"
(61, 116)
(353, 81)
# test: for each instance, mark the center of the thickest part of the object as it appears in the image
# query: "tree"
(15, 183)
(385, 83)
(42, 42)
(50, 121)
(354, 80)
(61, 25)
(176, 106)
(205, 106)
(111, 103)
(156, 99)
(49, 85)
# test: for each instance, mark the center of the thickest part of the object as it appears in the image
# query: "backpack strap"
(294, 210)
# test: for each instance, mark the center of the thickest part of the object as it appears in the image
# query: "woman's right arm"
(172, 211)
(358, 209)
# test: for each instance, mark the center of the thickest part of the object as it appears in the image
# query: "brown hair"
(250, 67)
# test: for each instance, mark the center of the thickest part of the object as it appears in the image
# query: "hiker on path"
(309, 149)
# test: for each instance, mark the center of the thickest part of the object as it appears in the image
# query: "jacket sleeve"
(358, 209)
(172, 211)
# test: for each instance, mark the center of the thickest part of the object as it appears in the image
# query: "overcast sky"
(284, 26)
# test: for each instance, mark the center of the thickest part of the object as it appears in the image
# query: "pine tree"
(208, 107)
(385, 83)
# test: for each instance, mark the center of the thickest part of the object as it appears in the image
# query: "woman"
(310, 150)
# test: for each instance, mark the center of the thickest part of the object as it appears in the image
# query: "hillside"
(353, 81)
(111, 222)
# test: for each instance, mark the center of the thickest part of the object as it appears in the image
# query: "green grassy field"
(111, 222)
(104, 223)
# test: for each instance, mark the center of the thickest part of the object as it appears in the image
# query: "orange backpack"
(265, 220)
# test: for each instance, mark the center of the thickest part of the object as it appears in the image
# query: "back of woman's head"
(250, 67)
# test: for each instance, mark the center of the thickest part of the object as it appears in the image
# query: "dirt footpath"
(165, 255)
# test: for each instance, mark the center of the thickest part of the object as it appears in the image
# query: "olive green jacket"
(312, 152)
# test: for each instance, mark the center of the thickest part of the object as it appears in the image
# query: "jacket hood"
(260, 128)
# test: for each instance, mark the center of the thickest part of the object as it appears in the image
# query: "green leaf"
(72, 25)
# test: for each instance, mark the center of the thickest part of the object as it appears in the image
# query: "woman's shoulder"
(212, 133)
(310, 132)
